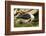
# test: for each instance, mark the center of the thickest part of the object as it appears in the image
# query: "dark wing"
(24, 16)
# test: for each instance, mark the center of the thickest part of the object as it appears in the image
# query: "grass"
(26, 25)
(33, 24)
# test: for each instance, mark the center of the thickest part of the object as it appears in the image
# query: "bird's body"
(25, 18)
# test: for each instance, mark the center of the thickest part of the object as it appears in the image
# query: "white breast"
(32, 17)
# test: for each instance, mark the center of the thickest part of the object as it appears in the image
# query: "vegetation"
(33, 24)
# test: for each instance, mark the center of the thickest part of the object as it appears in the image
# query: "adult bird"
(27, 16)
